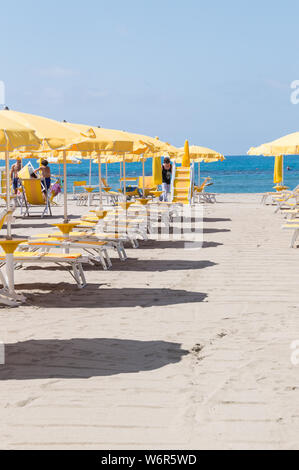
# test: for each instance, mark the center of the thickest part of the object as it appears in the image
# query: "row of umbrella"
(31, 135)
(84, 141)
(286, 145)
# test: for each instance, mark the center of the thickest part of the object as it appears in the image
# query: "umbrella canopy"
(59, 160)
(16, 136)
(51, 159)
(52, 134)
(153, 145)
(13, 136)
(111, 140)
(286, 145)
(201, 154)
(56, 136)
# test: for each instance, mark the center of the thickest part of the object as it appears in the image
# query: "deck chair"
(96, 250)
(112, 241)
(288, 200)
(201, 196)
(76, 185)
(148, 185)
(74, 262)
(33, 196)
(5, 297)
(293, 225)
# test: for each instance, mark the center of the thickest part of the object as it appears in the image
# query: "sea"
(236, 174)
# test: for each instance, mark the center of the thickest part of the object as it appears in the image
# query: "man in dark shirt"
(166, 178)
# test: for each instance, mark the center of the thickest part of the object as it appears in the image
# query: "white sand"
(175, 348)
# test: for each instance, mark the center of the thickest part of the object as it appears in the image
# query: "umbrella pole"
(90, 171)
(125, 186)
(100, 182)
(143, 180)
(64, 189)
(120, 175)
(9, 249)
(7, 192)
(198, 174)
(106, 172)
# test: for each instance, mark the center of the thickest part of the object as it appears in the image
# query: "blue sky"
(217, 73)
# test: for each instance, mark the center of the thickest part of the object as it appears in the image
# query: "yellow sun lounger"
(96, 250)
(295, 227)
(113, 241)
(74, 261)
(34, 196)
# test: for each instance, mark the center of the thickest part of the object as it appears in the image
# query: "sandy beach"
(175, 348)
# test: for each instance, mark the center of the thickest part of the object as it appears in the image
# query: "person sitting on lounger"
(45, 172)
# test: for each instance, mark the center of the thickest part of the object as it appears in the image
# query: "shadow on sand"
(139, 265)
(85, 358)
(97, 296)
(175, 244)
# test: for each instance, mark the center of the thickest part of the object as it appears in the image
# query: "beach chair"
(201, 196)
(294, 226)
(34, 195)
(289, 200)
(73, 261)
(96, 250)
(76, 185)
(111, 240)
(148, 185)
(129, 229)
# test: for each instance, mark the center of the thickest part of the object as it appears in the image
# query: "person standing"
(14, 174)
(45, 173)
(166, 178)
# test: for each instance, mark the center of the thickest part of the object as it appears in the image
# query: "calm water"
(238, 174)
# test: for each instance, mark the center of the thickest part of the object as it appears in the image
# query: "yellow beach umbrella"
(286, 145)
(278, 170)
(111, 140)
(186, 156)
(157, 171)
(117, 142)
(54, 136)
(13, 136)
(199, 154)
(63, 137)
(153, 144)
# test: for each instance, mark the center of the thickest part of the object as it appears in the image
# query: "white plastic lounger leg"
(79, 275)
(121, 252)
(5, 300)
(294, 238)
(107, 257)
(102, 259)
(134, 242)
(82, 275)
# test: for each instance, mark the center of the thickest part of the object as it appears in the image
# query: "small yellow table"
(9, 247)
(89, 190)
(143, 201)
(66, 228)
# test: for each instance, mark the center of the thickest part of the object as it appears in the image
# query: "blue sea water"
(237, 174)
